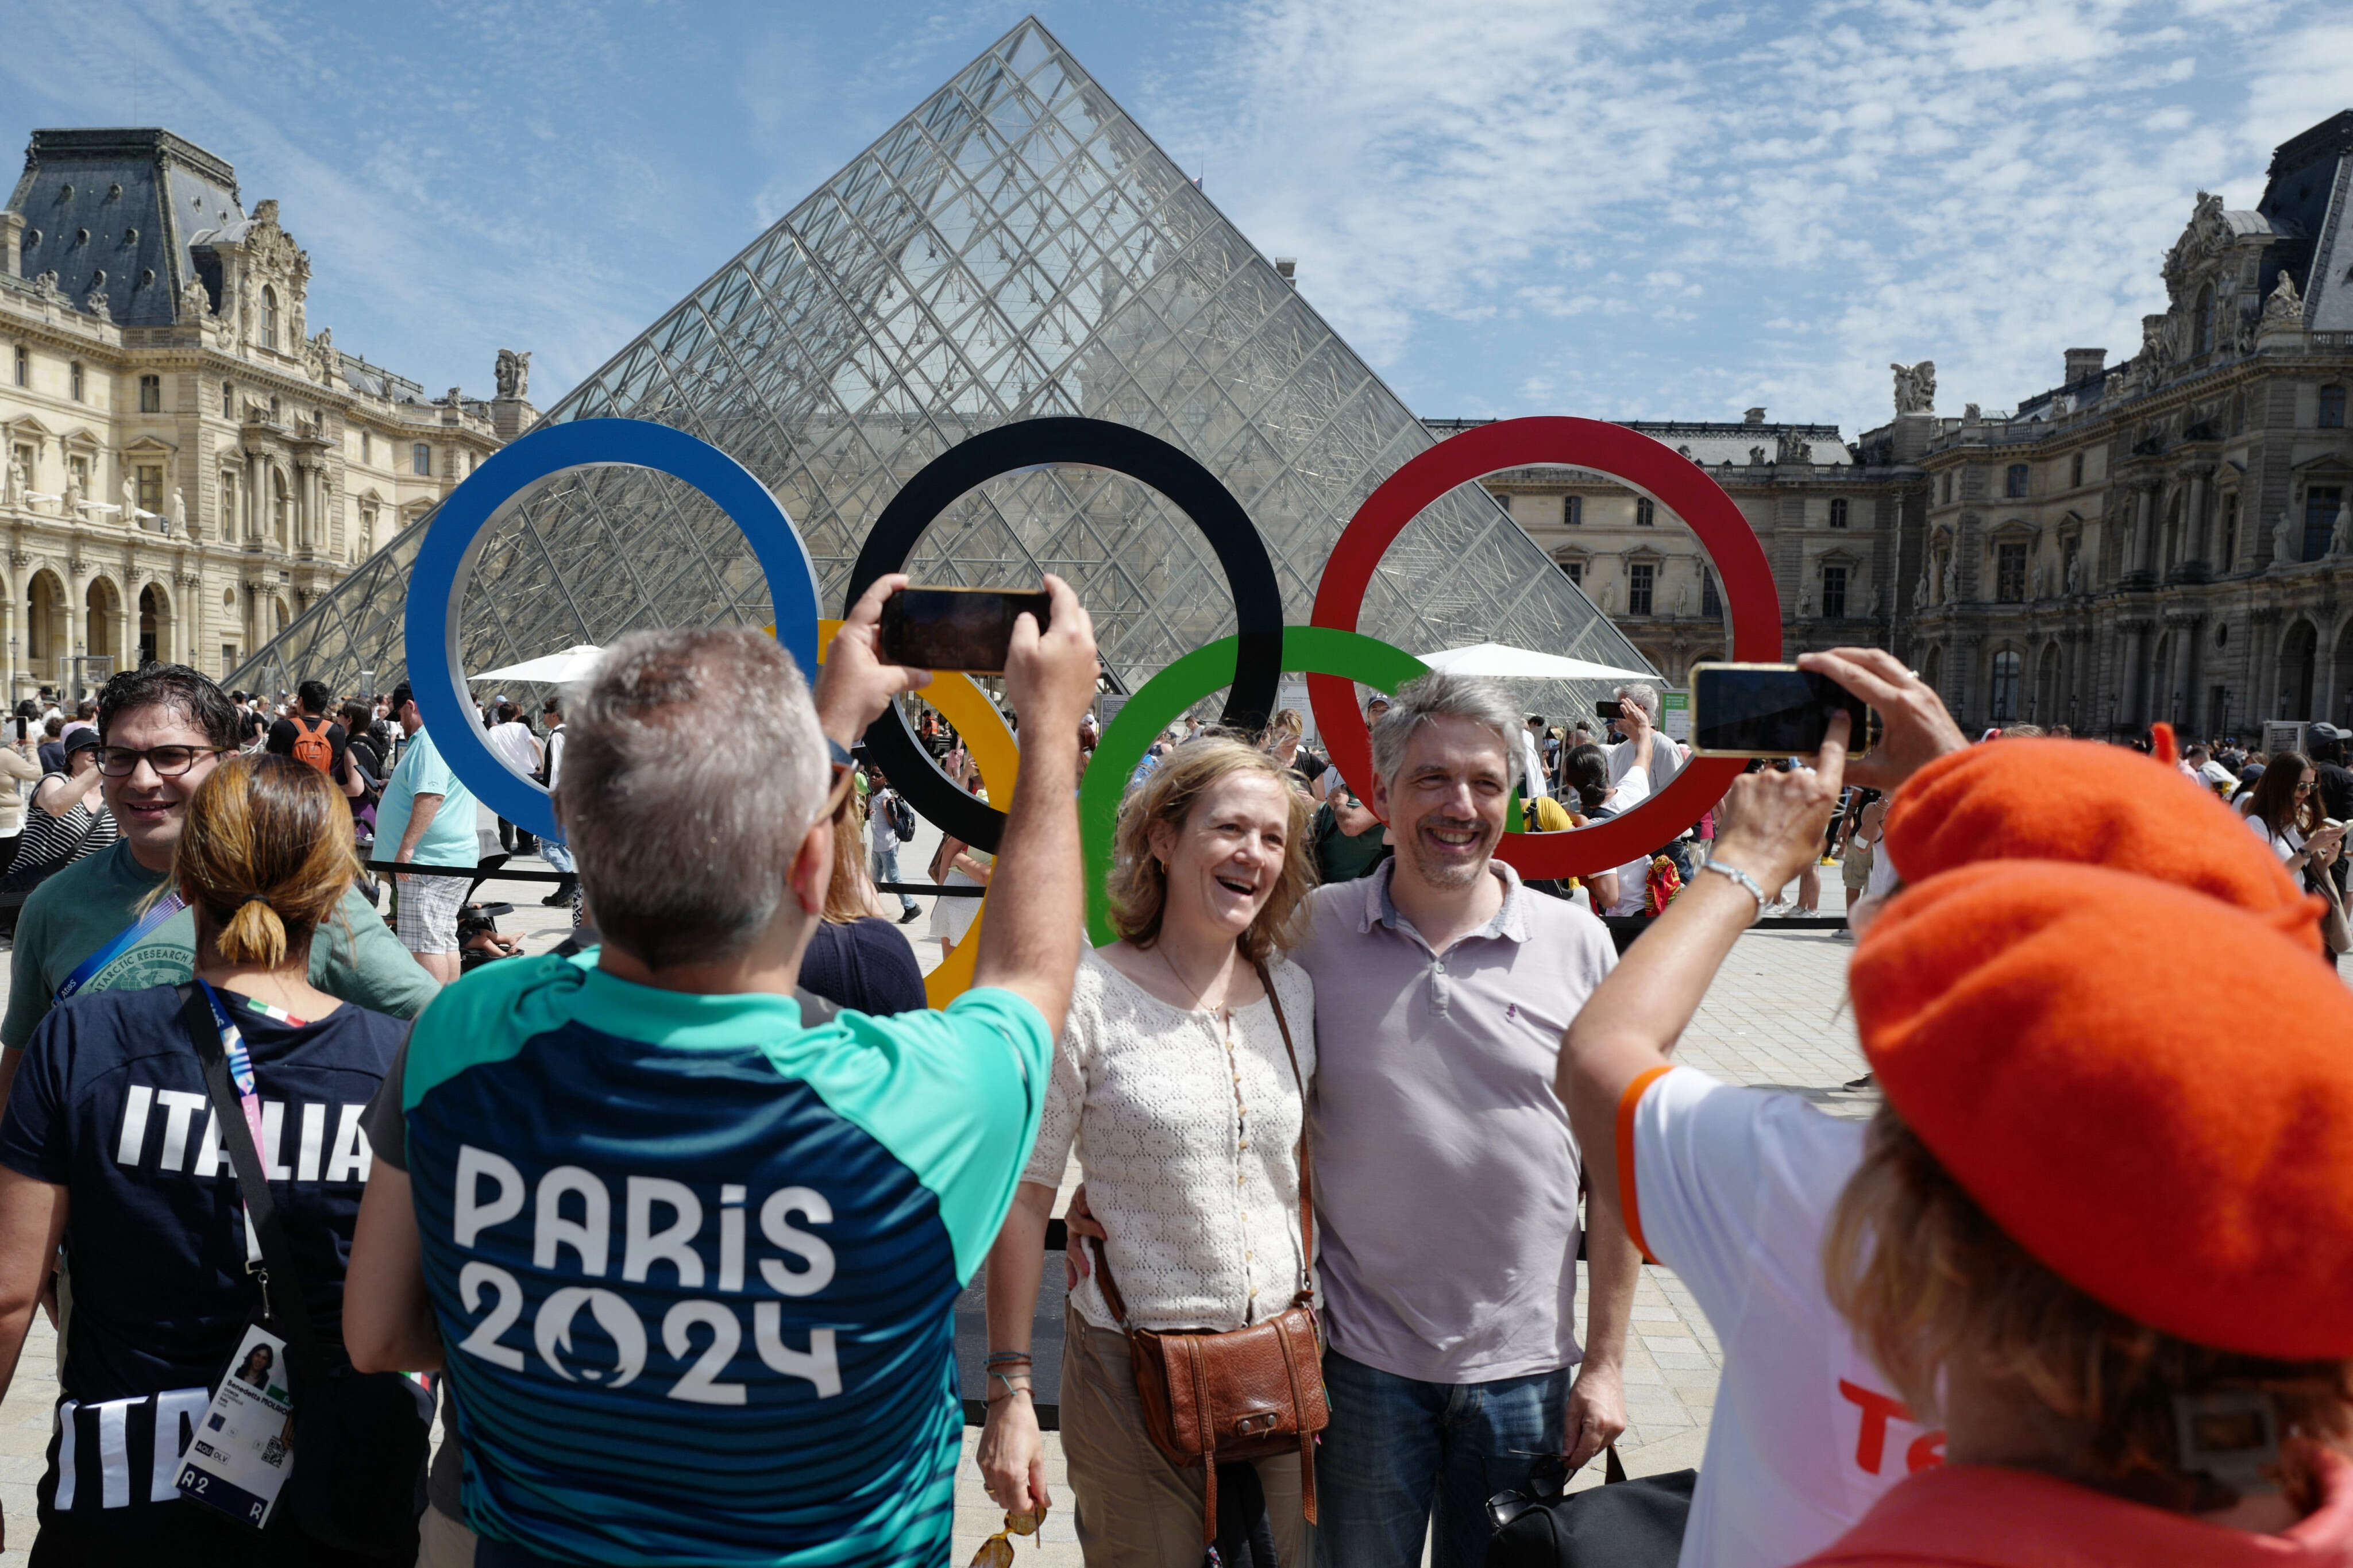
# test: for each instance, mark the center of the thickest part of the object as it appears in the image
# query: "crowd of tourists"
(668, 1225)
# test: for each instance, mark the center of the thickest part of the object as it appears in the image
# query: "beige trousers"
(1136, 1509)
(444, 1542)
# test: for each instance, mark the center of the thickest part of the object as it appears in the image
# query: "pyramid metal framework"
(1015, 248)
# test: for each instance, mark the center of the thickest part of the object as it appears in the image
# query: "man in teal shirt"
(427, 813)
(164, 727)
(691, 1264)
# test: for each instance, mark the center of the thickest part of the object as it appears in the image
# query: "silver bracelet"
(1747, 883)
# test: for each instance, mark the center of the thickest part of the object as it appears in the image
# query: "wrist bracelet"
(1747, 883)
(1007, 1358)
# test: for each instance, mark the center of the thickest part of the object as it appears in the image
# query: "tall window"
(1838, 513)
(268, 316)
(420, 460)
(1834, 593)
(2332, 408)
(151, 394)
(2075, 472)
(1575, 569)
(2320, 504)
(24, 366)
(2005, 685)
(1711, 603)
(151, 487)
(367, 447)
(1572, 510)
(1646, 514)
(74, 380)
(1639, 580)
(2013, 480)
(2230, 530)
(1946, 499)
(2010, 573)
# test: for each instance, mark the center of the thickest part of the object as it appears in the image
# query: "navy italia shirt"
(110, 1104)
(695, 1265)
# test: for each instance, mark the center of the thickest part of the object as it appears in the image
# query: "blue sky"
(1623, 211)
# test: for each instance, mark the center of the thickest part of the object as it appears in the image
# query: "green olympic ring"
(1314, 650)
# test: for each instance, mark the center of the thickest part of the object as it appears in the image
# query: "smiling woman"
(1178, 1065)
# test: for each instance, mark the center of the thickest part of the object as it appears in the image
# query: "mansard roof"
(114, 210)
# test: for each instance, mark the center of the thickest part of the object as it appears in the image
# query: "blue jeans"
(1399, 1450)
(885, 868)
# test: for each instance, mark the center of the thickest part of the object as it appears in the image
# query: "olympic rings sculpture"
(1329, 649)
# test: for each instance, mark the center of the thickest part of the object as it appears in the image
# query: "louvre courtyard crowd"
(1403, 1196)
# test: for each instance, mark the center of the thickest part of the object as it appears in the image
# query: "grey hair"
(1440, 695)
(692, 768)
(1643, 695)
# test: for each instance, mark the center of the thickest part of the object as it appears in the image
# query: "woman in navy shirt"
(110, 1145)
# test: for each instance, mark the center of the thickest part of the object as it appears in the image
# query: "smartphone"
(956, 628)
(1613, 708)
(1769, 710)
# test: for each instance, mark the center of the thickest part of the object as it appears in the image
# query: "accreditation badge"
(243, 1448)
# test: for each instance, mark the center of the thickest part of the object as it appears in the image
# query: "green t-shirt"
(81, 909)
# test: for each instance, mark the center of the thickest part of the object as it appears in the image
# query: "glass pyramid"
(1017, 247)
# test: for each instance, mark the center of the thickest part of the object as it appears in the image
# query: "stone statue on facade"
(1806, 603)
(1915, 388)
(2042, 579)
(2340, 538)
(1876, 606)
(130, 508)
(18, 482)
(1792, 450)
(2284, 543)
(97, 305)
(1608, 598)
(1683, 599)
(1756, 455)
(179, 512)
(1972, 413)
(195, 303)
(513, 373)
(1951, 581)
(2283, 305)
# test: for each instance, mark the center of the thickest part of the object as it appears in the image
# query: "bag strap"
(261, 1210)
(1306, 1167)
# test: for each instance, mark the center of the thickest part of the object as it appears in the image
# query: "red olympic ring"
(1658, 471)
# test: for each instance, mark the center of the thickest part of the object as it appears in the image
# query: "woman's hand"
(1918, 728)
(1079, 1223)
(1770, 825)
(1012, 1456)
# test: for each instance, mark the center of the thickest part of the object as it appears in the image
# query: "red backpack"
(312, 746)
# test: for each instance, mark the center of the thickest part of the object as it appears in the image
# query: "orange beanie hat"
(2044, 1029)
(2097, 806)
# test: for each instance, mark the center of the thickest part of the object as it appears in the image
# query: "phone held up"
(968, 630)
(1612, 709)
(1770, 711)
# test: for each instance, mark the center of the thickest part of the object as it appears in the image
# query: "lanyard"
(240, 1076)
(129, 936)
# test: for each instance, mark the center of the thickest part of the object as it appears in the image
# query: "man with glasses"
(429, 814)
(163, 731)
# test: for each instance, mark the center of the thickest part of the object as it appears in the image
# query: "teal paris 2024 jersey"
(696, 1264)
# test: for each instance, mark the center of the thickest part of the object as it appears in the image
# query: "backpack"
(902, 818)
(313, 746)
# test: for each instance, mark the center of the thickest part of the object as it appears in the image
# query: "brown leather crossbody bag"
(1247, 1394)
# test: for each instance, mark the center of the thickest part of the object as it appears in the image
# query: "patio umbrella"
(1498, 661)
(554, 669)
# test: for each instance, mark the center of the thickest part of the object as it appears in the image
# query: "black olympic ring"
(1087, 443)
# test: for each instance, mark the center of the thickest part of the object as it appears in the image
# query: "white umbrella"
(555, 668)
(1497, 661)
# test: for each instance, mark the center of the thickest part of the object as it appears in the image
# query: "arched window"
(268, 316)
(2005, 686)
(2332, 408)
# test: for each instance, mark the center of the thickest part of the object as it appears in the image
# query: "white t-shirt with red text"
(1732, 1189)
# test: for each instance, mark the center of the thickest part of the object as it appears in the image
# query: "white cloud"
(1804, 193)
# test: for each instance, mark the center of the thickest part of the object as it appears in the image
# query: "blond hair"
(849, 896)
(267, 854)
(1929, 1282)
(1138, 888)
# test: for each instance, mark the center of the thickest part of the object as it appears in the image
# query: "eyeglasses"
(845, 778)
(996, 1551)
(169, 762)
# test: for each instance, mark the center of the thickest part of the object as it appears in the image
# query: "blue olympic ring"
(445, 562)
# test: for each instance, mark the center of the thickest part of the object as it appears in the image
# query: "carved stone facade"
(1830, 523)
(186, 464)
(2171, 538)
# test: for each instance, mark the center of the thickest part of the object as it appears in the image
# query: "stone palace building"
(2170, 537)
(189, 460)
